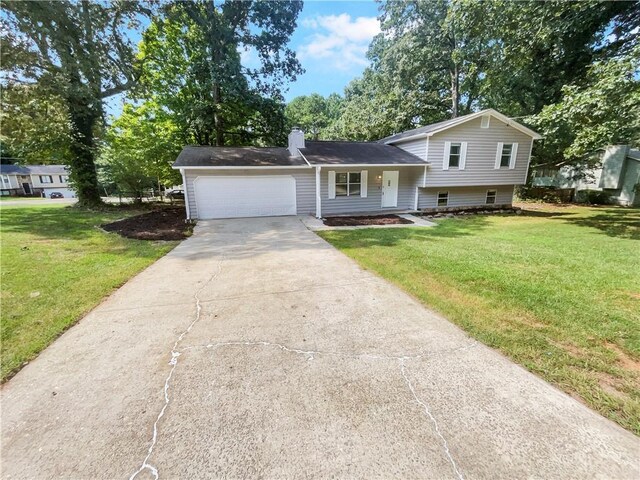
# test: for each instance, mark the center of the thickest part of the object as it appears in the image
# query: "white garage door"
(236, 196)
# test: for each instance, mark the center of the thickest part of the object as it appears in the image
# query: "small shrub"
(593, 197)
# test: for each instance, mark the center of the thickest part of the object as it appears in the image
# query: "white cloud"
(340, 41)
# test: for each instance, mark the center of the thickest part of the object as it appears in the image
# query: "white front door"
(390, 188)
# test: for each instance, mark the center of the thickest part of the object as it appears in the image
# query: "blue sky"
(331, 42)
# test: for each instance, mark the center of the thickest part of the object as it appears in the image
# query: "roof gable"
(432, 129)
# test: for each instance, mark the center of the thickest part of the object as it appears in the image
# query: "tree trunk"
(83, 169)
(455, 91)
(217, 118)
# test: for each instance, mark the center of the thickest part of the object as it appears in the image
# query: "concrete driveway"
(256, 350)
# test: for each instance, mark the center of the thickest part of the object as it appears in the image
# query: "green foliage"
(443, 58)
(35, 125)
(593, 197)
(140, 147)
(603, 109)
(81, 51)
(315, 115)
(194, 69)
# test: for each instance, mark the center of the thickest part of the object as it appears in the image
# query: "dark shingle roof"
(13, 170)
(33, 169)
(202, 156)
(420, 130)
(355, 153)
(316, 153)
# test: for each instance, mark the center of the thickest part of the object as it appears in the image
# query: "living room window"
(348, 183)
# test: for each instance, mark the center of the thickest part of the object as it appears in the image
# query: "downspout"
(186, 193)
(318, 196)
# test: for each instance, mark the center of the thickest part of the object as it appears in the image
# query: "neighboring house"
(470, 161)
(35, 180)
(617, 174)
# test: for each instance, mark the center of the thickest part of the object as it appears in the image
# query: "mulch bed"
(365, 220)
(160, 224)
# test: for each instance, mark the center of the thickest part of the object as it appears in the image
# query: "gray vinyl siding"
(482, 145)
(416, 147)
(465, 196)
(407, 181)
(305, 185)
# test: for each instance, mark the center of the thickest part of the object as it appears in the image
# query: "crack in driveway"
(174, 363)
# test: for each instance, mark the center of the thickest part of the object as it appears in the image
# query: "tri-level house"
(470, 161)
(35, 180)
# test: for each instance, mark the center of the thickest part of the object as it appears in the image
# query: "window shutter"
(445, 157)
(332, 184)
(463, 155)
(498, 155)
(512, 160)
(363, 183)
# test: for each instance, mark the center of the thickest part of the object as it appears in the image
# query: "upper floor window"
(5, 181)
(64, 178)
(46, 179)
(485, 121)
(506, 155)
(455, 154)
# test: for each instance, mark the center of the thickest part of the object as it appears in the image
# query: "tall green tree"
(35, 125)
(443, 58)
(140, 147)
(195, 68)
(82, 51)
(315, 114)
(602, 109)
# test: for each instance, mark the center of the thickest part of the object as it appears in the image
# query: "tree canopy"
(81, 51)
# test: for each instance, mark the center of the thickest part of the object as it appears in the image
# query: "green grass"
(56, 266)
(556, 289)
(10, 198)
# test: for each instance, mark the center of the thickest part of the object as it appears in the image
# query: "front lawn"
(557, 289)
(56, 266)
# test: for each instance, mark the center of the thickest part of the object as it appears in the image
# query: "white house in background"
(470, 161)
(38, 180)
(618, 174)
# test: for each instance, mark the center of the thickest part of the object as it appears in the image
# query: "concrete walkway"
(256, 350)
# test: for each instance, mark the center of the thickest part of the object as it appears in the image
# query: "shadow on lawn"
(614, 222)
(55, 223)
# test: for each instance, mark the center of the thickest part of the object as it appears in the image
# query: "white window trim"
(6, 182)
(364, 180)
(514, 154)
(485, 121)
(447, 155)
(495, 196)
(512, 158)
(438, 199)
